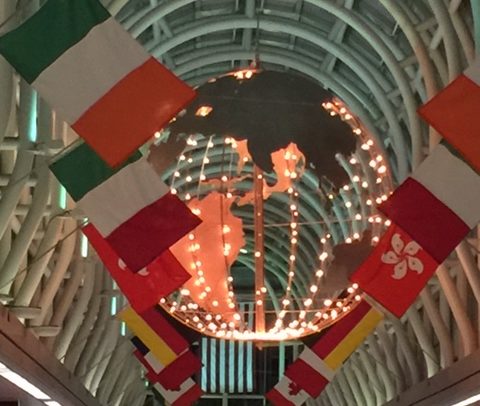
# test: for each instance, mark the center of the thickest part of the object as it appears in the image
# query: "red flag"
(145, 288)
(453, 112)
(159, 324)
(174, 374)
(426, 218)
(310, 373)
(396, 271)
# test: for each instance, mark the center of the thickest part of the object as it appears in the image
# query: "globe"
(285, 179)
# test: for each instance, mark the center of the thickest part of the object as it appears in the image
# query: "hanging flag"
(316, 366)
(95, 75)
(316, 373)
(287, 393)
(454, 113)
(165, 330)
(396, 271)
(174, 374)
(434, 204)
(145, 288)
(186, 395)
(164, 350)
(131, 207)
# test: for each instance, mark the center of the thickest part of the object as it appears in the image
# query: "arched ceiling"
(383, 58)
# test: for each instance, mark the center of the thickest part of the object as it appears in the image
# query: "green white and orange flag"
(316, 366)
(95, 75)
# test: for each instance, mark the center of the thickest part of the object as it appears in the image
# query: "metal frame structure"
(383, 58)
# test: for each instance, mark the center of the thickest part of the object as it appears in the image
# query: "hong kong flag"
(396, 271)
(145, 288)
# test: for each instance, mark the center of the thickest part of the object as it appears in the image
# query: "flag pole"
(259, 251)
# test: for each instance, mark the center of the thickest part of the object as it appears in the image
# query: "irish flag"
(95, 75)
(132, 209)
(454, 113)
(434, 205)
(316, 366)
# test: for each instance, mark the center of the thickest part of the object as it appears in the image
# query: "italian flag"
(95, 75)
(434, 205)
(131, 208)
(454, 113)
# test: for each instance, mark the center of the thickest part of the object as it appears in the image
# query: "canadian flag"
(187, 394)
(287, 393)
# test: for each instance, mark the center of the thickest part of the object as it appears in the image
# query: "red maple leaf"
(293, 389)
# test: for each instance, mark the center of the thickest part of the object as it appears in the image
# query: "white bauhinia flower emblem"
(123, 266)
(403, 257)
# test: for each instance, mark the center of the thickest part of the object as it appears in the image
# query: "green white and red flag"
(131, 207)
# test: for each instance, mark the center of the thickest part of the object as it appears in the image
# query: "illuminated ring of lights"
(185, 309)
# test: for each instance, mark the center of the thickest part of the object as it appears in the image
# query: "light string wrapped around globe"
(305, 214)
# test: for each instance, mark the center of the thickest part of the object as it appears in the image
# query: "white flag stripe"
(153, 362)
(72, 87)
(473, 71)
(171, 396)
(284, 387)
(452, 181)
(317, 363)
(123, 195)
